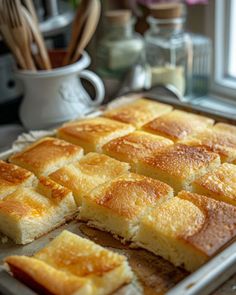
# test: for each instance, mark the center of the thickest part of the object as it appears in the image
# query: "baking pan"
(154, 275)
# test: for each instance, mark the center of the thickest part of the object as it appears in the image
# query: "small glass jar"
(169, 50)
(120, 47)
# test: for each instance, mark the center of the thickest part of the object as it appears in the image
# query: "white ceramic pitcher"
(53, 97)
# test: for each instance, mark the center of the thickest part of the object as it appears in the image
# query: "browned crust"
(66, 265)
(91, 130)
(219, 226)
(179, 159)
(223, 127)
(45, 152)
(129, 194)
(22, 203)
(11, 174)
(136, 145)
(18, 209)
(101, 165)
(79, 257)
(178, 125)
(222, 143)
(28, 280)
(139, 112)
(42, 277)
(52, 190)
(220, 182)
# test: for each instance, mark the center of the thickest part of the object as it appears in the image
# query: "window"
(232, 41)
(224, 79)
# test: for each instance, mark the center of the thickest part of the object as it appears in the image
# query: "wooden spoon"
(30, 7)
(7, 37)
(88, 29)
(43, 55)
(78, 23)
(18, 30)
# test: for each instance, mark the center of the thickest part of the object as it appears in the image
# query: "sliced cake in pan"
(135, 146)
(27, 213)
(93, 133)
(116, 206)
(139, 112)
(47, 155)
(12, 177)
(219, 184)
(188, 229)
(89, 172)
(178, 125)
(220, 139)
(179, 165)
(72, 265)
(226, 128)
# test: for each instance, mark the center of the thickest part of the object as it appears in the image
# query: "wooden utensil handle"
(29, 61)
(45, 61)
(79, 21)
(89, 29)
(13, 47)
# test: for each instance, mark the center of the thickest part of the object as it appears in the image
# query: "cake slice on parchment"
(72, 265)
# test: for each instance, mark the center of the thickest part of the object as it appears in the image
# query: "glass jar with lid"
(169, 48)
(120, 47)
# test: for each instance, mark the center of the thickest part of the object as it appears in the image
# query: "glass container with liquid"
(120, 47)
(169, 48)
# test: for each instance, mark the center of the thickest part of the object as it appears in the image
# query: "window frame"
(232, 21)
(217, 25)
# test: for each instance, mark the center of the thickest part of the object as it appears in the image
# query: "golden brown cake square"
(139, 112)
(12, 177)
(224, 127)
(219, 184)
(179, 165)
(220, 139)
(188, 229)
(116, 206)
(178, 125)
(135, 146)
(47, 155)
(93, 133)
(92, 170)
(72, 265)
(27, 213)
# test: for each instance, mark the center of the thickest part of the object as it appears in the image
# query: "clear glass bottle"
(120, 47)
(169, 50)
